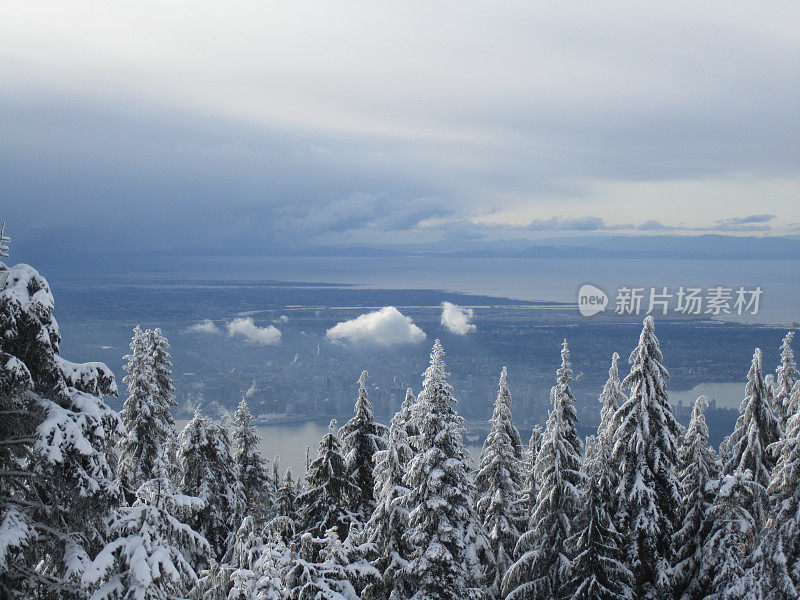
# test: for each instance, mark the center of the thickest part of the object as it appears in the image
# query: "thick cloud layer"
(456, 319)
(291, 124)
(384, 327)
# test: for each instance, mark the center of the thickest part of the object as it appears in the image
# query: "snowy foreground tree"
(756, 429)
(646, 454)
(598, 570)
(149, 427)
(530, 488)
(57, 479)
(207, 471)
(449, 547)
(150, 553)
(251, 469)
(543, 568)
(498, 480)
(786, 376)
(698, 471)
(387, 526)
(362, 438)
(779, 571)
(325, 502)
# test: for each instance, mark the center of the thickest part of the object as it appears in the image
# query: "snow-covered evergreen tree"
(543, 567)
(158, 347)
(388, 523)
(149, 555)
(611, 398)
(598, 570)
(722, 571)
(407, 415)
(646, 452)
(165, 391)
(56, 460)
(447, 540)
(530, 488)
(756, 428)
(699, 470)
(786, 376)
(780, 549)
(256, 563)
(251, 469)
(504, 397)
(285, 496)
(145, 414)
(497, 481)
(323, 579)
(208, 471)
(325, 501)
(356, 555)
(599, 447)
(362, 438)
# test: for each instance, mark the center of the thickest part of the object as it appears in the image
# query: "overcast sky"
(159, 124)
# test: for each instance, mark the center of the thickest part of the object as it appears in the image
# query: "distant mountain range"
(709, 247)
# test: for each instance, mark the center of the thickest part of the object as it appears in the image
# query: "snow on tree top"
(4, 239)
(24, 285)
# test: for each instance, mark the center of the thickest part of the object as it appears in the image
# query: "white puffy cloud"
(204, 326)
(245, 327)
(457, 320)
(282, 319)
(384, 327)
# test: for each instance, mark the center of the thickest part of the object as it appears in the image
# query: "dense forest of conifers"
(105, 505)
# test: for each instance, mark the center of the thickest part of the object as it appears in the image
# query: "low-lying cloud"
(204, 326)
(384, 327)
(245, 327)
(457, 319)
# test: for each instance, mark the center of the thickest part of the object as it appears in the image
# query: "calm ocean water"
(521, 278)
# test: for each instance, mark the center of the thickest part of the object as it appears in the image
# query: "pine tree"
(599, 447)
(145, 414)
(543, 568)
(446, 538)
(725, 552)
(325, 579)
(646, 451)
(598, 570)
(256, 564)
(355, 556)
(208, 471)
(361, 439)
(285, 497)
(407, 415)
(325, 502)
(158, 347)
(530, 489)
(56, 461)
(149, 555)
(251, 470)
(756, 428)
(497, 481)
(786, 376)
(389, 521)
(780, 572)
(698, 471)
(611, 398)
